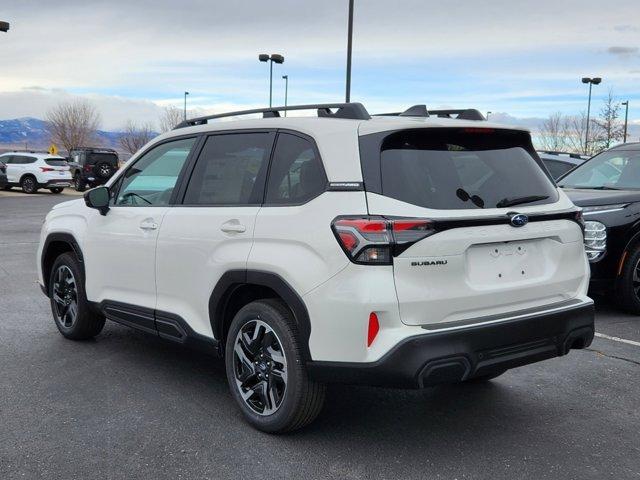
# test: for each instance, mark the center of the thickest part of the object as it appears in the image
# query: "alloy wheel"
(260, 367)
(28, 185)
(65, 297)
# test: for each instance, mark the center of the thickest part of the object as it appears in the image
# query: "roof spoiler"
(422, 111)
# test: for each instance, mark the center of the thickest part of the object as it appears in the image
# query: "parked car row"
(31, 171)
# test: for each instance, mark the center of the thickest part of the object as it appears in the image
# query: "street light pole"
(185, 105)
(626, 119)
(488, 113)
(274, 57)
(347, 97)
(591, 82)
(286, 91)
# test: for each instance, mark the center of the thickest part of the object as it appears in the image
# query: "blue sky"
(520, 58)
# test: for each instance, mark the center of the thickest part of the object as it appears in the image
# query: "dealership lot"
(127, 405)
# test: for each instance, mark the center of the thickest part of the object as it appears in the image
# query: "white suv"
(31, 171)
(402, 250)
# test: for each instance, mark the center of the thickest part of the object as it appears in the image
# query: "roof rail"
(422, 111)
(355, 111)
(555, 152)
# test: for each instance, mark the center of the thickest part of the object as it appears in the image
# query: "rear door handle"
(148, 224)
(233, 226)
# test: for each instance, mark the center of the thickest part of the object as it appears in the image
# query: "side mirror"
(98, 198)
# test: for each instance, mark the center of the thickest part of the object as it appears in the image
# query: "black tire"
(627, 290)
(85, 323)
(78, 183)
(29, 184)
(56, 190)
(302, 399)
(104, 170)
(485, 378)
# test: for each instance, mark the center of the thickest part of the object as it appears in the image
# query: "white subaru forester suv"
(401, 250)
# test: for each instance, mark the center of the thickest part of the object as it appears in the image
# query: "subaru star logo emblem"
(519, 220)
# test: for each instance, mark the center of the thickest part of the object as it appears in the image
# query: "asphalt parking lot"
(128, 405)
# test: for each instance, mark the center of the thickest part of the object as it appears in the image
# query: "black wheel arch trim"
(70, 240)
(233, 279)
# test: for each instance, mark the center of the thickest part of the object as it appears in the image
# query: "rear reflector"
(374, 328)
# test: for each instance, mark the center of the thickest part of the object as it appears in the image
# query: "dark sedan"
(607, 187)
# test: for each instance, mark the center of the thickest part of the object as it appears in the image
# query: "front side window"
(608, 170)
(151, 180)
(230, 170)
(296, 173)
(463, 168)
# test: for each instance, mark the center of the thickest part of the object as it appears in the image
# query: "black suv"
(607, 187)
(92, 166)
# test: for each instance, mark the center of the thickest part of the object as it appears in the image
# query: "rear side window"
(55, 162)
(296, 174)
(461, 168)
(23, 160)
(230, 170)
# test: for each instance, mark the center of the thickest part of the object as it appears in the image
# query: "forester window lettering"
(150, 181)
(228, 168)
(296, 172)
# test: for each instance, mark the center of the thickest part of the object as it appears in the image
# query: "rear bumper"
(62, 182)
(456, 355)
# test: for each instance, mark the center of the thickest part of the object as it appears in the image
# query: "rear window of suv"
(456, 168)
(55, 162)
(94, 158)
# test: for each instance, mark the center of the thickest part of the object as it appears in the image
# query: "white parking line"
(618, 339)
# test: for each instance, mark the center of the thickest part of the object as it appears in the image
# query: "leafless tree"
(611, 128)
(553, 133)
(134, 136)
(171, 116)
(73, 124)
(576, 130)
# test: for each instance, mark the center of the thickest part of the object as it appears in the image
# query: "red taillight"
(373, 329)
(87, 168)
(47, 169)
(374, 240)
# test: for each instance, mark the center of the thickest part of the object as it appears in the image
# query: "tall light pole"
(626, 119)
(4, 27)
(591, 82)
(488, 113)
(347, 96)
(286, 91)
(273, 58)
(185, 105)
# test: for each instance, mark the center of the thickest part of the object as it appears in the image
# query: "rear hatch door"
(503, 238)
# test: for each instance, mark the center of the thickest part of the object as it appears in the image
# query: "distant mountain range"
(32, 133)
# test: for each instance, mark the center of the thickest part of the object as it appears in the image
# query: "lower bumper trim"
(457, 355)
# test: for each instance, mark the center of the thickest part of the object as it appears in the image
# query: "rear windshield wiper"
(510, 202)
